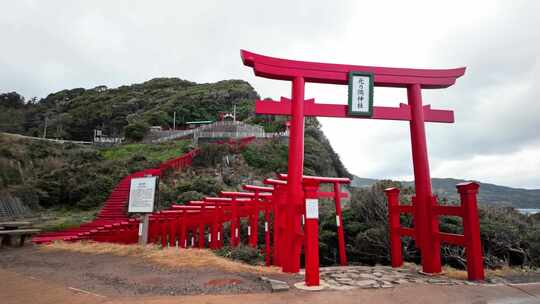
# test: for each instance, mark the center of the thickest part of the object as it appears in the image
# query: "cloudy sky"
(52, 45)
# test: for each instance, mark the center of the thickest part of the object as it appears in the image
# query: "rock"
(439, 282)
(365, 283)
(382, 269)
(276, 285)
(367, 276)
(346, 282)
(496, 280)
(402, 270)
(388, 278)
(341, 287)
(400, 281)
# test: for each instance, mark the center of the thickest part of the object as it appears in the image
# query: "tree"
(136, 131)
(12, 100)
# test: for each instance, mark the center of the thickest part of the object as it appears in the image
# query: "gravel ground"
(111, 275)
(126, 276)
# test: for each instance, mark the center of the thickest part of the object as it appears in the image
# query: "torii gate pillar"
(295, 171)
(430, 248)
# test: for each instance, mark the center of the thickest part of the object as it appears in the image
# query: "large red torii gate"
(413, 80)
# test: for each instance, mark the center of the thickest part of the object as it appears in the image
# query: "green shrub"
(242, 253)
(9, 173)
(189, 196)
(503, 232)
(211, 155)
(188, 189)
(169, 195)
(533, 245)
(270, 156)
(136, 131)
(28, 194)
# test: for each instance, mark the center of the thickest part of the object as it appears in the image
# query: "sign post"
(143, 229)
(311, 230)
(142, 194)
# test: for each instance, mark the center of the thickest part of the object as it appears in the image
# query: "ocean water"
(528, 211)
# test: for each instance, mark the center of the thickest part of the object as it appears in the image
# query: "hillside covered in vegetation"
(46, 174)
(75, 113)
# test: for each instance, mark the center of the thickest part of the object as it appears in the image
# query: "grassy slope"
(52, 175)
(170, 257)
(152, 152)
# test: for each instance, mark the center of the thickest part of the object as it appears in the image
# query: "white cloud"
(521, 166)
(53, 45)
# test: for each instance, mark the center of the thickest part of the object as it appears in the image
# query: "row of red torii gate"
(288, 203)
(201, 224)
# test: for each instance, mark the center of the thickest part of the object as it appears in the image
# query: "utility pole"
(234, 112)
(174, 121)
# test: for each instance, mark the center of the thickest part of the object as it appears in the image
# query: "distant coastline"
(528, 211)
(490, 194)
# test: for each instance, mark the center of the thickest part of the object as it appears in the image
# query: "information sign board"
(360, 94)
(312, 208)
(142, 194)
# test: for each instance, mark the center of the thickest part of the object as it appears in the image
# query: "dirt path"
(30, 275)
(125, 276)
(18, 288)
(417, 294)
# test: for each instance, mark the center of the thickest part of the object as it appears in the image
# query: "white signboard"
(142, 194)
(312, 208)
(360, 94)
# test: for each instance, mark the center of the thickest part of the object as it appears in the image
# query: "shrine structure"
(299, 190)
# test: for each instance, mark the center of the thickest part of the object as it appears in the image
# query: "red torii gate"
(235, 216)
(413, 80)
(267, 210)
(336, 195)
(253, 231)
(312, 194)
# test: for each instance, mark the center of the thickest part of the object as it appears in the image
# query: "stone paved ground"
(352, 277)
